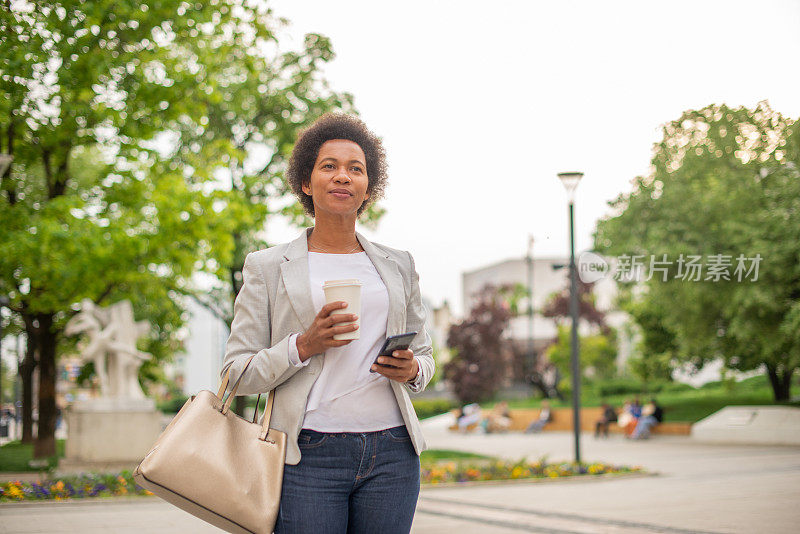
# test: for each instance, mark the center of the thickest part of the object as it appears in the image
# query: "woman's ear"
(306, 188)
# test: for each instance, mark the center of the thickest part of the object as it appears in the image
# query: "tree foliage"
(135, 130)
(724, 181)
(656, 350)
(481, 356)
(598, 353)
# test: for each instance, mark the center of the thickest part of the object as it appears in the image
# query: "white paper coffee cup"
(348, 290)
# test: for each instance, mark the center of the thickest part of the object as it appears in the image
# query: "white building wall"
(201, 363)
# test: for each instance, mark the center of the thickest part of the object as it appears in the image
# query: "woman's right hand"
(319, 336)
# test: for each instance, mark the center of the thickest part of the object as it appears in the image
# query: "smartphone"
(393, 343)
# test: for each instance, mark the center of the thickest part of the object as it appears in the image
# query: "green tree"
(130, 126)
(724, 185)
(656, 351)
(598, 353)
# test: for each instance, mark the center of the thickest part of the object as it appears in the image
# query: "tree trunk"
(781, 381)
(45, 444)
(26, 375)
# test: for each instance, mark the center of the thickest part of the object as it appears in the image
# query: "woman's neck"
(333, 236)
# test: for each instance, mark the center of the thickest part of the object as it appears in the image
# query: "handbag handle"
(267, 409)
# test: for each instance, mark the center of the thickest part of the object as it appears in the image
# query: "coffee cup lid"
(346, 282)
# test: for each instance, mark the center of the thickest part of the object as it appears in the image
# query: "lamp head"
(570, 181)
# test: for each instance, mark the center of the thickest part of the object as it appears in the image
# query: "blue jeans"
(642, 430)
(350, 482)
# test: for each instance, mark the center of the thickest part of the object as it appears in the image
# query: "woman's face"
(339, 181)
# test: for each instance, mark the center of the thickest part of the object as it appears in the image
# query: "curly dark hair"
(336, 126)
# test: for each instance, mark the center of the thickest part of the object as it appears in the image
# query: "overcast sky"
(481, 104)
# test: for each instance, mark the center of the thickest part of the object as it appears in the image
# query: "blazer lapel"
(294, 273)
(390, 274)
(295, 278)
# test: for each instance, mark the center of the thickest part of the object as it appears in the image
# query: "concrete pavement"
(696, 488)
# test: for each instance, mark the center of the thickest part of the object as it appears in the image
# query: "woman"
(353, 438)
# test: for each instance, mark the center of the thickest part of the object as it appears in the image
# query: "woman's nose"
(342, 177)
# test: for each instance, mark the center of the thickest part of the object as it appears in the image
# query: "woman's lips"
(340, 194)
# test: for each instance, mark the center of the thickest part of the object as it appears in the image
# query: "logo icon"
(592, 267)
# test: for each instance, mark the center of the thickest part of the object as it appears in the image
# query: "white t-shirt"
(346, 397)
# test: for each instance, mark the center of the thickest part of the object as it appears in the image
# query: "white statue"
(112, 346)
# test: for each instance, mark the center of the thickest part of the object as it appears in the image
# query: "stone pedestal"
(109, 434)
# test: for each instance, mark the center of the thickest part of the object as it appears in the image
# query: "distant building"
(550, 275)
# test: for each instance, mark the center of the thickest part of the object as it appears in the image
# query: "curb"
(91, 501)
(539, 480)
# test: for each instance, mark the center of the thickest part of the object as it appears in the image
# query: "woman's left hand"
(404, 366)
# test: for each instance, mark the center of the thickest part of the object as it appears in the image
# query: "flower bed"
(469, 471)
(432, 472)
(72, 487)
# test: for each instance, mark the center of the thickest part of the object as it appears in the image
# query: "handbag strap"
(267, 409)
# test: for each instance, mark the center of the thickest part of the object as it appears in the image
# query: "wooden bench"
(561, 420)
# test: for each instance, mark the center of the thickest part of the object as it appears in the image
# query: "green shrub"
(172, 405)
(618, 386)
(430, 407)
(630, 386)
(672, 387)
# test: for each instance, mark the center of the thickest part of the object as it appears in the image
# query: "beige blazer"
(275, 302)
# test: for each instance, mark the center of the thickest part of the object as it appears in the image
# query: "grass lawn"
(689, 404)
(14, 456)
(439, 455)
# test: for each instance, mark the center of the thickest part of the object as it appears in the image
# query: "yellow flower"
(15, 492)
(516, 472)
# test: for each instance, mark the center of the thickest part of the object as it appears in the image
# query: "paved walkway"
(697, 488)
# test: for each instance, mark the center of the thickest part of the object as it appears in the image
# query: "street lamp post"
(531, 346)
(570, 181)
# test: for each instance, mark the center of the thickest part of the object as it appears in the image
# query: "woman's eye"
(357, 169)
(328, 166)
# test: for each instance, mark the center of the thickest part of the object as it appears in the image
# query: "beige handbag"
(218, 466)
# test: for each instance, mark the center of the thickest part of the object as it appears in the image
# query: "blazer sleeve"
(251, 334)
(421, 344)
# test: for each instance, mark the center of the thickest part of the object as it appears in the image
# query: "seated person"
(470, 414)
(609, 416)
(544, 417)
(498, 420)
(626, 421)
(652, 414)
